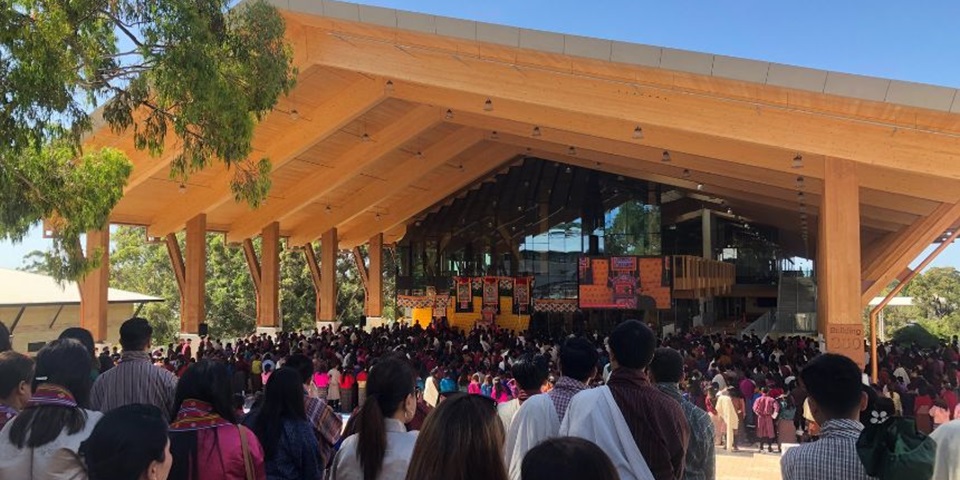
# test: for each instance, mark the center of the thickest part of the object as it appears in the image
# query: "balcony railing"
(702, 276)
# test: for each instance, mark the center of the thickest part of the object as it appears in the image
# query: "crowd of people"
(442, 403)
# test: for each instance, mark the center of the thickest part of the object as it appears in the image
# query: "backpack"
(893, 449)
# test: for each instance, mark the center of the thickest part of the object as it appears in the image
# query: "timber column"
(328, 276)
(374, 300)
(94, 302)
(269, 302)
(192, 312)
(838, 260)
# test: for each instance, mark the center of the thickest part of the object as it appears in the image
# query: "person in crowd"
(5, 344)
(567, 458)
(135, 379)
(474, 387)
(326, 423)
(539, 417)
(666, 372)
(642, 429)
(291, 451)
(16, 379)
(333, 390)
(129, 443)
(381, 449)
(85, 338)
(836, 398)
(104, 360)
(431, 388)
(461, 440)
(500, 392)
(730, 415)
(767, 409)
(939, 413)
(486, 389)
(44, 439)
(205, 441)
(719, 427)
(529, 377)
(947, 463)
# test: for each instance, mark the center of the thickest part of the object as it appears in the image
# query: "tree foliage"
(185, 70)
(936, 303)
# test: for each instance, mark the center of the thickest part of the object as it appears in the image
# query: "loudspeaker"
(204, 330)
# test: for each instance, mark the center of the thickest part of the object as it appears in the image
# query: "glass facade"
(536, 220)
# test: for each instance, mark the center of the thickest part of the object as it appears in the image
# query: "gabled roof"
(19, 289)
(447, 103)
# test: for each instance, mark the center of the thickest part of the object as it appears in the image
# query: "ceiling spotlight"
(620, 178)
(666, 156)
(803, 216)
(519, 208)
(686, 173)
(294, 114)
(798, 161)
(536, 132)
(183, 188)
(638, 133)
(803, 208)
(377, 216)
(569, 170)
(800, 195)
(488, 105)
(418, 223)
(419, 155)
(494, 135)
(729, 211)
(800, 182)
(699, 186)
(329, 210)
(448, 115)
(572, 151)
(389, 86)
(365, 138)
(460, 167)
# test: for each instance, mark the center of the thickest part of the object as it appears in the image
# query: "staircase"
(796, 304)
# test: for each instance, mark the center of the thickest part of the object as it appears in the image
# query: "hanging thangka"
(521, 295)
(464, 295)
(491, 292)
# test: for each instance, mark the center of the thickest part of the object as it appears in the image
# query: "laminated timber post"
(838, 261)
(328, 276)
(95, 286)
(265, 273)
(195, 276)
(374, 299)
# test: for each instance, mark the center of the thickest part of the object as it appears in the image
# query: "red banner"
(521, 295)
(491, 291)
(464, 294)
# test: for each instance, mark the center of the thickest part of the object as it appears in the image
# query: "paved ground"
(748, 465)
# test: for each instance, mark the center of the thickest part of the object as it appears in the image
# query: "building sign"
(847, 340)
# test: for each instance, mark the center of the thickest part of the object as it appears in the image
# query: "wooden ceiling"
(443, 113)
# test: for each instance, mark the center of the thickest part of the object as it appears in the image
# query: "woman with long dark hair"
(205, 440)
(382, 447)
(85, 338)
(291, 450)
(461, 440)
(129, 443)
(47, 434)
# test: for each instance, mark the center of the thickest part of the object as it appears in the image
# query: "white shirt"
(534, 422)
(17, 463)
(506, 411)
(400, 442)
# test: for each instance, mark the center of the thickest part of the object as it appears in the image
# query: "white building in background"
(36, 308)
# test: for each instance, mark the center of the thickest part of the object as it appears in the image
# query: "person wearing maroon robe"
(767, 408)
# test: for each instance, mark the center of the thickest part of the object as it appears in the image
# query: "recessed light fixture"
(638, 133)
(536, 132)
(666, 156)
(448, 115)
(798, 161)
(488, 105)
(572, 151)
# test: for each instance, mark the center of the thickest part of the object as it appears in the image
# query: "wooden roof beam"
(479, 163)
(314, 126)
(668, 112)
(398, 178)
(346, 167)
(669, 174)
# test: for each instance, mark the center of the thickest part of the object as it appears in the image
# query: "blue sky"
(901, 40)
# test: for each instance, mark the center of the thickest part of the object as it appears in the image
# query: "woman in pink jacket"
(205, 440)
